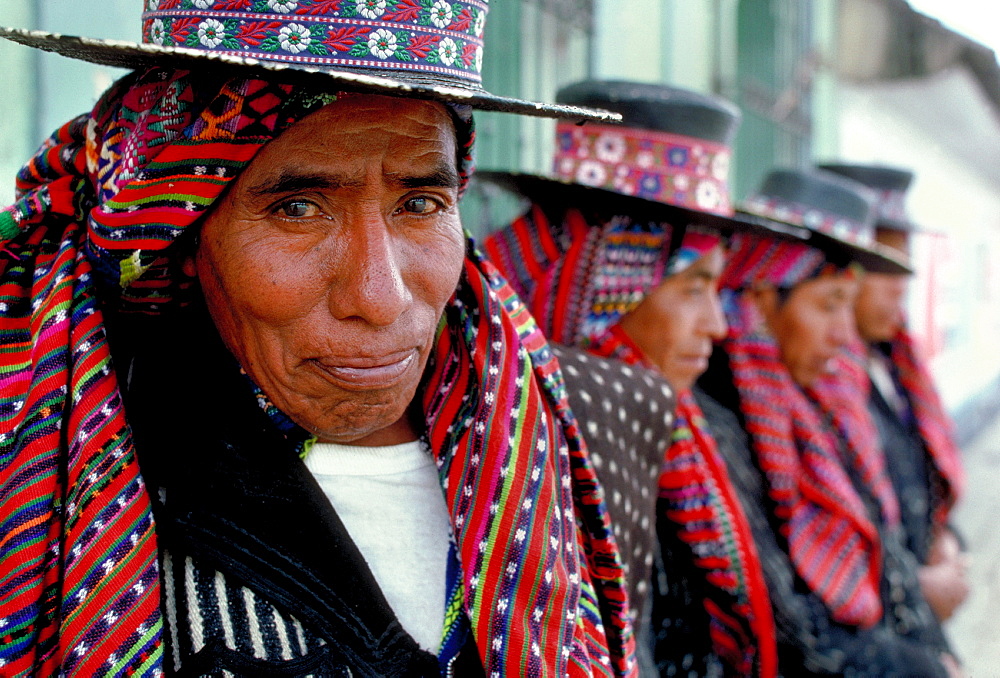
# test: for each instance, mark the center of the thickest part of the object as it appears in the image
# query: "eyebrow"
(442, 176)
(290, 181)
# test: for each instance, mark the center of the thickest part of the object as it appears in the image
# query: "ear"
(765, 298)
(189, 265)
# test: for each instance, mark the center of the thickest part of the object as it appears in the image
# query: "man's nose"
(714, 320)
(370, 285)
(843, 330)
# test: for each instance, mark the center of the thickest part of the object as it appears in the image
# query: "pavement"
(975, 629)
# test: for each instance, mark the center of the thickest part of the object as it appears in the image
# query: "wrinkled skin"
(329, 261)
(812, 325)
(676, 324)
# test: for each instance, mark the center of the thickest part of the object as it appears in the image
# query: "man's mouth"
(367, 373)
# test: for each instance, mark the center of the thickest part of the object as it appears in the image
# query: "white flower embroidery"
(480, 24)
(371, 9)
(681, 182)
(152, 5)
(294, 38)
(211, 33)
(448, 51)
(441, 14)
(591, 173)
(478, 60)
(610, 148)
(202, 4)
(645, 159)
(708, 195)
(282, 6)
(382, 43)
(156, 32)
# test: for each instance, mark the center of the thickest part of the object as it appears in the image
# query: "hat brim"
(874, 259)
(537, 187)
(132, 55)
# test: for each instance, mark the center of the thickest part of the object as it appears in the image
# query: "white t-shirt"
(391, 502)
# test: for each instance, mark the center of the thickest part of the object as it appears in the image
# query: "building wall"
(953, 303)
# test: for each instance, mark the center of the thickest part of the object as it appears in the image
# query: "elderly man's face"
(677, 323)
(812, 325)
(329, 261)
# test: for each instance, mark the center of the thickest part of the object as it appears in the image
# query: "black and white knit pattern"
(213, 622)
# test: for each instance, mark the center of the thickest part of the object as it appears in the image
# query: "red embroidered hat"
(669, 160)
(430, 49)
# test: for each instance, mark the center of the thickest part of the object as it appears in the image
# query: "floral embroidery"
(448, 51)
(441, 14)
(371, 9)
(294, 38)
(211, 32)
(429, 35)
(610, 148)
(157, 32)
(480, 23)
(830, 223)
(282, 7)
(382, 43)
(591, 173)
(667, 168)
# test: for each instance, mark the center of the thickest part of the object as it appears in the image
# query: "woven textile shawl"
(699, 499)
(99, 210)
(579, 279)
(933, 423)
(832, 543)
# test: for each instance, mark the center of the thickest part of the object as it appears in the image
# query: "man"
(916, 432)
(804, 459)
(620, 256)
(220, 272)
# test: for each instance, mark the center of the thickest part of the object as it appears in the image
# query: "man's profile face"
(677, 323)
(880, 309)
(328, 263)
(812, 325)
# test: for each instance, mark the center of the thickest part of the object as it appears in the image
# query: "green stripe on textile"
(162, 197)
(151, 662)
(8, 227)
(111, 577)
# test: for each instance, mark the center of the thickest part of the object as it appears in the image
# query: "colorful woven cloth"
(831, 540)
(102, 211)
(579, 280)
(845, 408)
(700, 501)
(580, 273)
(933, 423)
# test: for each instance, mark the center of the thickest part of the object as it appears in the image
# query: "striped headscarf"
(831, 540)
(579, 279)
(580, 273)
(97, 224)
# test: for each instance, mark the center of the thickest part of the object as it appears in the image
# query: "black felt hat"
(890, 183)
(839, 213)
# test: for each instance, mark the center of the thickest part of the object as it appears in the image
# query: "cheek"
(266, 279)
(434, 265)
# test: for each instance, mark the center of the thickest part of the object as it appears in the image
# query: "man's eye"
(297, 209)
(420, 205)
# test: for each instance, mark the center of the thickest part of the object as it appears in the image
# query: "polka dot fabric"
(626, 415)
